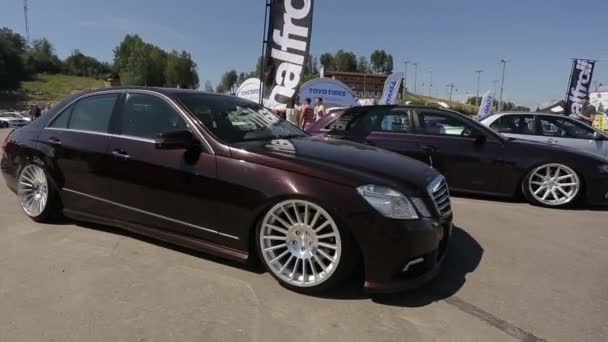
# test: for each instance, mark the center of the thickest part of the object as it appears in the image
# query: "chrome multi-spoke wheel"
(33, 190)
(300, 243)
(553, 185)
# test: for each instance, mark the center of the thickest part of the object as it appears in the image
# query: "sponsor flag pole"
(264, 42)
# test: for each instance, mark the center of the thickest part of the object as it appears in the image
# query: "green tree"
(12, 70)
(208, 86)
(345, 61)
(362, 64)
(81, 65)
(14, 39)
(41, 58)
(228, 81)
(381, 62)
(327, 60)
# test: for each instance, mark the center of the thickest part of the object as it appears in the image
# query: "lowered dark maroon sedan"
(474, 158)
(226, 176)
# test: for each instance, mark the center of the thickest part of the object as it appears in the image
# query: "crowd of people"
(304, 114)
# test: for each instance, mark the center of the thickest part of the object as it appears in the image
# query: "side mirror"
(597, 136)
(175, 140)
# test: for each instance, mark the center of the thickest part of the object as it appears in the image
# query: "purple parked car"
(474, 158)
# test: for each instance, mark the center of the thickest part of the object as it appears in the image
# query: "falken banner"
(391, 88)
(486, 106)
(580, 83)
(287, 48)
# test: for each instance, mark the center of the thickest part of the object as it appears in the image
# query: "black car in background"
(473, 157)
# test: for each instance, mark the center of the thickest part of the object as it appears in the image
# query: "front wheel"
(552, 185)
(37, 194)
(302, 247)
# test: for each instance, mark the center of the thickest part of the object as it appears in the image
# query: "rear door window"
(515, 124)
(90, 114)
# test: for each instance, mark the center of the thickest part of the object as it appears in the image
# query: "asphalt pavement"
(513, 272)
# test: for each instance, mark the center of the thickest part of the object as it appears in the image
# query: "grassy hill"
(48, 89)
(432, 101)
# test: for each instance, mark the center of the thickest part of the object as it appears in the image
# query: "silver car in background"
(550, 128)
(12, 120)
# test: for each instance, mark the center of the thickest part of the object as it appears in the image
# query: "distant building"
(363, 85)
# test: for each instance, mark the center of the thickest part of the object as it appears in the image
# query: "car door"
(390, 129)
(568, 132)
(77, 141)
(521, 126)
(464, 152)
(172, 190)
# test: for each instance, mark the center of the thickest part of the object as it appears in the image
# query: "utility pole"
(502, 82)
(451, 86)
(27, 22)
(415, 75)
(430, 82)
(477, 93)
(405, 63)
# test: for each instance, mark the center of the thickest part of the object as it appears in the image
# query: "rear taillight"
(5, 143)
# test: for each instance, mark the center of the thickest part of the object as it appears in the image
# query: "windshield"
(234, 120)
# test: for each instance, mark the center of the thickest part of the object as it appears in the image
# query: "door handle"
(429, 148)
(54, 141)
(122, 154)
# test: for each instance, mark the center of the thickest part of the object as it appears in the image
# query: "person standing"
(319, 109)
(307, 116)
(588, 114)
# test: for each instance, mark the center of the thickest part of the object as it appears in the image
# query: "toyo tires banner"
(250, 90)
(287, 47)
(391, 88)
(580, 83)
(333, 92)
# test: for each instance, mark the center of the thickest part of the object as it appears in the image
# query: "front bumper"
(400, 255)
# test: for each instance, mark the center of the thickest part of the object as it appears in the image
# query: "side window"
(147, 116)
(564, 128)
(395, 121)
(435, 123)
(515, 124)
(89, 114)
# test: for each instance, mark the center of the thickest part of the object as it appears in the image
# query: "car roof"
(160, 90)
(414, 107)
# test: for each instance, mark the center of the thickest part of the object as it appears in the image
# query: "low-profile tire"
(304, 248)
(552, 185)
(38, 194)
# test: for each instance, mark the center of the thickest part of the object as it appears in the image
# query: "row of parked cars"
(366, 188)
(13, 120)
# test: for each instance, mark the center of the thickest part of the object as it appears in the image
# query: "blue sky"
(453, 38)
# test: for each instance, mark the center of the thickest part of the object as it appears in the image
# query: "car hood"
(338, 161)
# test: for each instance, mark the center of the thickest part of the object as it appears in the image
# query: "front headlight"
(389, 202)
(604, 168)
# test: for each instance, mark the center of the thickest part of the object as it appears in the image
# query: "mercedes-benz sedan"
(474, 158)
(226, 176)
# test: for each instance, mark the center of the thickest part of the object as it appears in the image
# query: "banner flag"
(579, 87)
(487, 105)
(287, 48)
(391, 88)
(249, 89)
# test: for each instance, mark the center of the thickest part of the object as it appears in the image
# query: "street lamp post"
(502, 82)
(415, 76)
(430, 82)
(405, 63)
(477, 93)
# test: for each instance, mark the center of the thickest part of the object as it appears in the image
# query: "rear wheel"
(302, 246)
(37, 195)
(552, 185)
